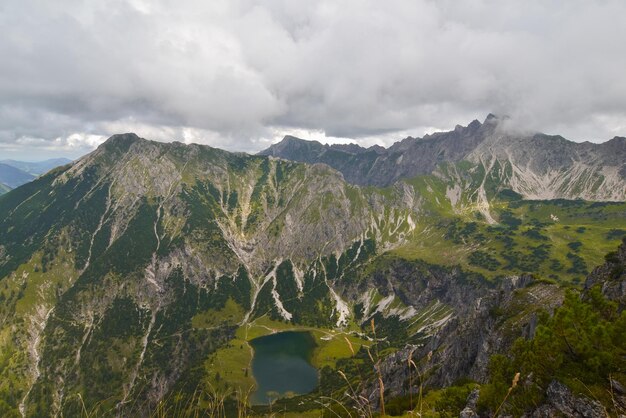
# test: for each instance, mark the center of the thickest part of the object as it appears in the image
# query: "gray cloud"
(239, 74)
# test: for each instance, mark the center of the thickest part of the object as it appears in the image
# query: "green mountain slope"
(158, 233)
(139, 273)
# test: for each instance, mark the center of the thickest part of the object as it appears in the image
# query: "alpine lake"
(281, 366)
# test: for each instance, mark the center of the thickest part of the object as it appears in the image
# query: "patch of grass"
(230, 366)
(231, 314)
(332, 346)
(527, 239)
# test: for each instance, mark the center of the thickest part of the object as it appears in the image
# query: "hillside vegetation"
(133, 280)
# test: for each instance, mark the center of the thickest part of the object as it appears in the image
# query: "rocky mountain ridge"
(537, 166)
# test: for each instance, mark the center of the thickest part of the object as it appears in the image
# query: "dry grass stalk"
(381, 385)
(410, 363)
(349, 345)
(513, 386)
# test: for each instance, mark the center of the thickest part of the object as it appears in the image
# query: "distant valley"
(15, 173)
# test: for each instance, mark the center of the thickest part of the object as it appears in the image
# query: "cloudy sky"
(240, 74)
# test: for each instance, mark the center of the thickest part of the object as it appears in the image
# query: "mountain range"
(139, 273)
(537, 166)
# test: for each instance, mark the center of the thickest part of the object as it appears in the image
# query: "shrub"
(583, 343)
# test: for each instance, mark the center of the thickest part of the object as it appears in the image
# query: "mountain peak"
(491, 118)
(472, 127)
(120, 142)
(292, 140)
(122, 138)
(291, 144)
(617, 140)
(475, 124)
(495, 119)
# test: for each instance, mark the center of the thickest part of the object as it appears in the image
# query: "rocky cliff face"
(536, 166)
(485, 321)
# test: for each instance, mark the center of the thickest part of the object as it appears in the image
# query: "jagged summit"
(291, 143)
(491, 117)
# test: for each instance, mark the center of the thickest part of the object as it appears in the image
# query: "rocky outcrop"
(470, 407)
(611, 276)
(562, 402)
(488, 325)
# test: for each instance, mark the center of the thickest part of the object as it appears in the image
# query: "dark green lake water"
(281, 365)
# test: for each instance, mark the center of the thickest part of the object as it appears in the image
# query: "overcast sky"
(242, 74)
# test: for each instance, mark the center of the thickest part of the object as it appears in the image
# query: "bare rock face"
(486, 327)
